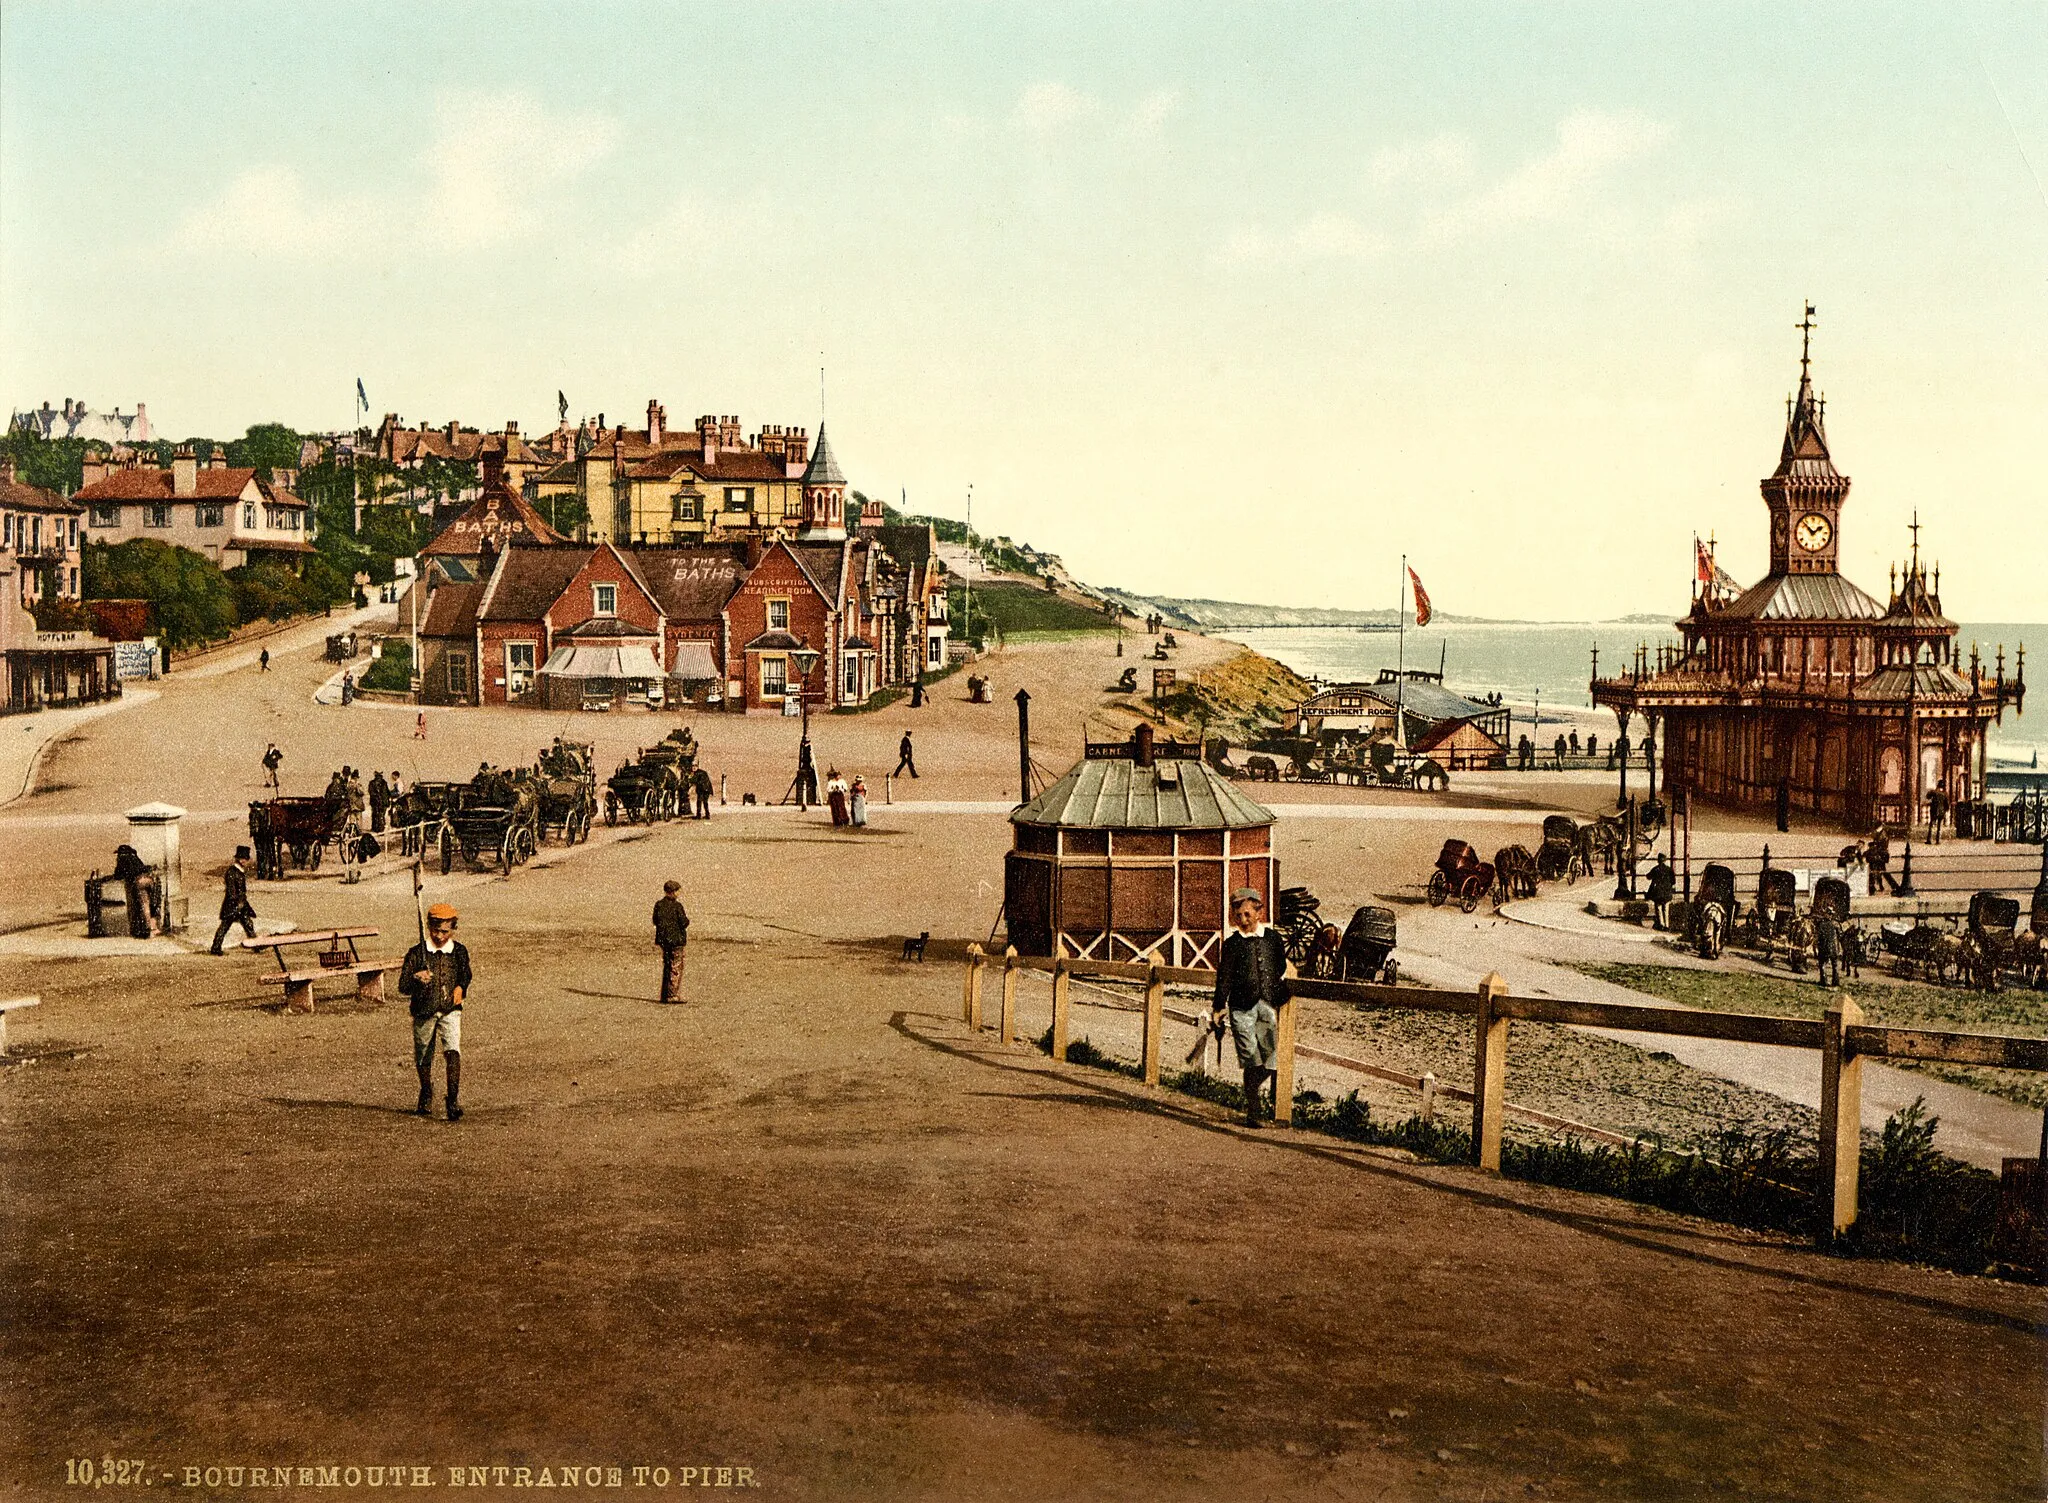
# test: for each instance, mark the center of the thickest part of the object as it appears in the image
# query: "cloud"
(487, 176)
(1149, 116)
(1320, 237)
(1431, 162)
(690, 230)
(1047, 108)
(1589, 145)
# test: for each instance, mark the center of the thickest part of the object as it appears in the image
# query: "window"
(74, 532)
(458, 675)
(774, 677)
(106, 514)
(604, 599)
(686, 508)
(739, 498)
(778, 615)
(249, 514)
(156, 515)
(7, 530)
(210, 516)
(849, 676)
(519, 663)
(74, 584)
(936, 656)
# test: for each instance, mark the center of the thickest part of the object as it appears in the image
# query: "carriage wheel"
(1469, 898)
(1439, 889)
(447, 850)
(527, 845)
(311, 858)
(1574, 869)
(1390, 974)
(506, 849)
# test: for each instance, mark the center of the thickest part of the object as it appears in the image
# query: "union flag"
(1705, 562)
(1421, 599)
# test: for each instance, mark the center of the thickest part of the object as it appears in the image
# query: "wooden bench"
(340, 958)
(9, 1006)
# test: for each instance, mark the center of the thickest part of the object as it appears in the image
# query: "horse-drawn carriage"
(420, 812)
(1460, 874)
(1775, 921)
(1714, 912)
(495, 817)
(1300, 923)
(299, 829)
(1367, 951)
(1918, 948)
(648, 789)
(566, 783)
(1990, 948)
(1562, 854)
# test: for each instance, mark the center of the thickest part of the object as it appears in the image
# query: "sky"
(1244, 302)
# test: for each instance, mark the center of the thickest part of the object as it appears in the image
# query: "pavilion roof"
(1115, 793)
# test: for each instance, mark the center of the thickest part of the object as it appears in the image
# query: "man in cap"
(672, 934)
(436, 978)
(234, 903)
(1251, 982)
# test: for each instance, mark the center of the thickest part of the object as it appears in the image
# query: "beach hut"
(1132, 856)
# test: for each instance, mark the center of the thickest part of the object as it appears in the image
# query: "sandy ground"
(808, 1226)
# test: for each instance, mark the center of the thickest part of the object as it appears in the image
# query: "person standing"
(1784, 806)
(272, 760)
(1937, 815)
(700, 784)
(1558, 748)
(806, 774)
(436, 977)
(419, 727)
(235, 907)
(380, 800)
(905, 757)
(263, 661)
(857, 802)
(1877, 858)
(917, 691)
(672, 935)
(1663, 885)
(835, 795)
(1251, 983)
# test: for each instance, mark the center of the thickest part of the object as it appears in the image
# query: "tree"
(266, 448)
(194, 602)
(55, 464)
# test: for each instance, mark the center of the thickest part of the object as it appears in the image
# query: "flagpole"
(1401, 658)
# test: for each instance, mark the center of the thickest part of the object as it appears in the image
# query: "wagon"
(1560, 854)
(643, 790)
(420, 813)
(300, 828)
(567, 789)
(1460, 874)
(1991, 948)
(1776, 917)
(1919, 948)
(495, 819)
(1715, 911)
(1368, 950)
(1300, 921)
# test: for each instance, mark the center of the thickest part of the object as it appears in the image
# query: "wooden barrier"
(1009, 1020)
(1841, 1038)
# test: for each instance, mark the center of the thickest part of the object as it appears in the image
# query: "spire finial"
(1805, 327)
(1914, 526)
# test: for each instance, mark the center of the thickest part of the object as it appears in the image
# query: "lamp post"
(805, 658)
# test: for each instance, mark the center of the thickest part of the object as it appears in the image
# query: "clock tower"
(1806, 491)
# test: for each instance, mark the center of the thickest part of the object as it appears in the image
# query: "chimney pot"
(1143, 747)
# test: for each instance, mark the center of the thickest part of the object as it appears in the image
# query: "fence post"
(1010, 994)
(1489, 1075)
(1283, 1067)
(970, 996)
(1155, 1019)
(1062, 980)
(1841, 1119)
(1428, 1097)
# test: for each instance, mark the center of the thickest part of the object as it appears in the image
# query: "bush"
(193, 599)
(270, 592)
(61, 615)
(392, 668)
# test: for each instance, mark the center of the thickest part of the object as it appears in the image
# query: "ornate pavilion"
(1857, 710)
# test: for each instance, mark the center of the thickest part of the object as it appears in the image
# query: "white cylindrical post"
(153, 831)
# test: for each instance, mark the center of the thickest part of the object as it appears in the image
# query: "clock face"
(1814, 532)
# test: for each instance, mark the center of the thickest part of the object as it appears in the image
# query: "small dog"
(913, 949)
(746, 798)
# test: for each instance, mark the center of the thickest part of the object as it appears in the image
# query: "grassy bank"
(2014, 1011)
(1017, 611)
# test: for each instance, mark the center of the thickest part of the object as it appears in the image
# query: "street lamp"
(805, 658)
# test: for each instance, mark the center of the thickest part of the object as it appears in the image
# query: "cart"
(1460, 874)
(1368, 949)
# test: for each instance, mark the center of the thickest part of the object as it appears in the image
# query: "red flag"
(1704, 562)
(1421, 599)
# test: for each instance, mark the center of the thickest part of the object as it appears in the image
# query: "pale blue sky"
(1232, 301)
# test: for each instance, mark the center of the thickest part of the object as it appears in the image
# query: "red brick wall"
(573, 606)
(810, 618)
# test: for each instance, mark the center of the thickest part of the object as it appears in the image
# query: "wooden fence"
(1840, 1037)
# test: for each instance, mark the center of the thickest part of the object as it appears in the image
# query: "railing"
(1840, 1035)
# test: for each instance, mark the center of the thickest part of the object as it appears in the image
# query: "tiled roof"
(606, 629)
(527, 581)
(19, 497)
(773, 641)
(500, 517)
(823, 468)
(692, 583)
(271, 545)
(909, 544)
(451, 610)
(1928, 681)
(821, 563)
(157, 485)
(1115, 793)
(1801, 597)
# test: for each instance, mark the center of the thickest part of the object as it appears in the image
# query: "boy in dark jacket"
(436, 978)
(1251, 982)
(672, 934)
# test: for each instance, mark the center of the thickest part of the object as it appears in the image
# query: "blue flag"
(362, 397)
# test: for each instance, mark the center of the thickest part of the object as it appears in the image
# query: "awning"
(694, 661)
(584, 660)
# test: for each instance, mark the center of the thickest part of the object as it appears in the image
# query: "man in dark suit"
(234, 903)
(1251, 982)
(672, 934)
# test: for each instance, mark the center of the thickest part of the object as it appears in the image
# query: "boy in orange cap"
(436, 978)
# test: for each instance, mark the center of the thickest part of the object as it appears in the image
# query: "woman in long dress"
(857, 802)
(835, 795)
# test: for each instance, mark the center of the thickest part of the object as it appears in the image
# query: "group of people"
(847, 801)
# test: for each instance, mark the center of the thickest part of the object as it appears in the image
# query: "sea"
(1548, 664)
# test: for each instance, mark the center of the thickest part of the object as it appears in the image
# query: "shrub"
(193, 599)
(392, 667)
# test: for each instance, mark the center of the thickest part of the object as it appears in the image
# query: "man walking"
(1937, 815)
(700, 784)
(234, 903)
(672, 934)
(263, 661)
(436, 976)
(380, 800)
(904, 757)
(1663, 885)
(1251, 981)
(1877, 859)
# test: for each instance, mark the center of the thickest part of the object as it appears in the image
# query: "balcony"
(41, 553)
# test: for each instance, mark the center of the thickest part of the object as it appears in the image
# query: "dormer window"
(604, 600)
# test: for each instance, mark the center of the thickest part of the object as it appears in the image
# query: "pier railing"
(1841, 1038)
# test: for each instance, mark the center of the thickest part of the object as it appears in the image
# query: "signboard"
(135, 659)
(1162, 683)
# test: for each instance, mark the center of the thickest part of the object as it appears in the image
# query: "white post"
(153, 831)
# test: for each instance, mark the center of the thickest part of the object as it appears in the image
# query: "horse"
(1517, 869)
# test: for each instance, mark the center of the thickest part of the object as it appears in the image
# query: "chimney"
(95, 469)
(218, 459)
(796, 447)
(729, 433)
(7, 469)
(184, 472)
(653, 423)
(1142, 746)
(754, 551)
(707, 435)
(142, 422)
(511, 428)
